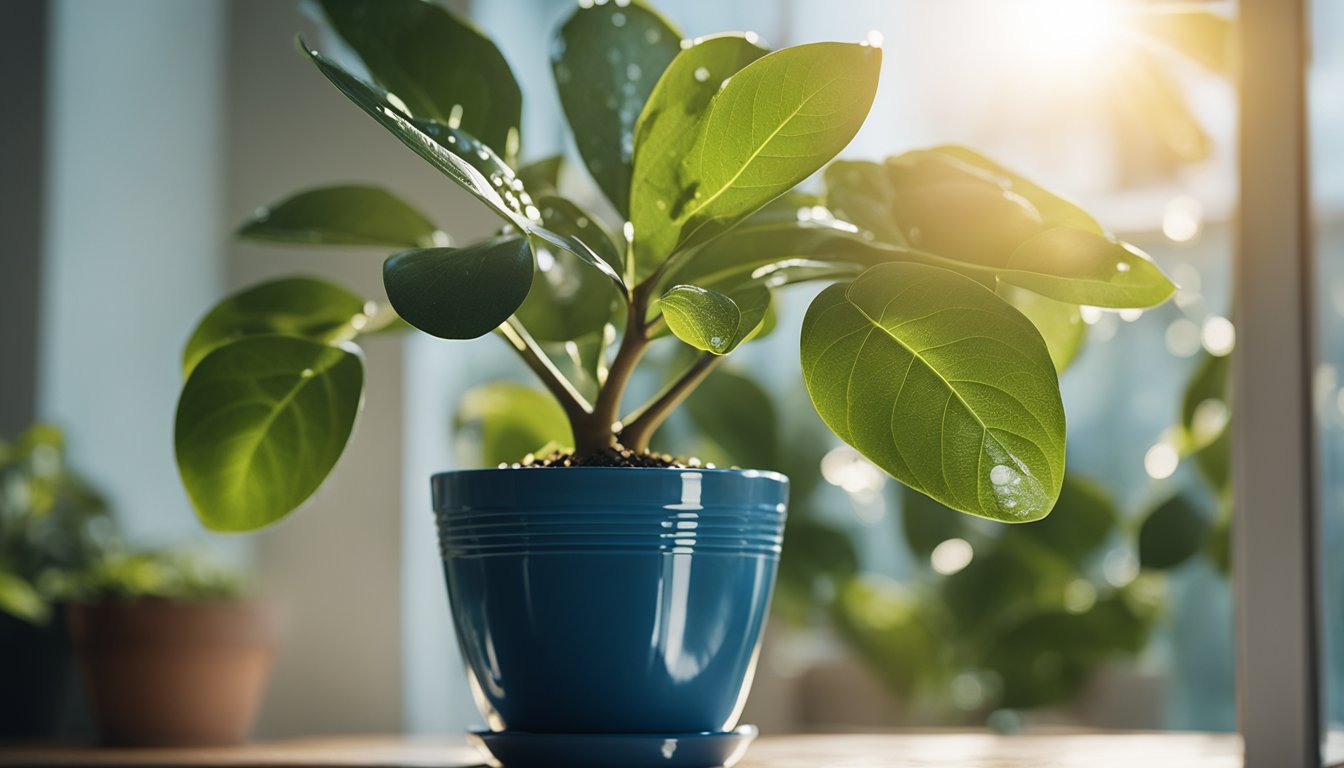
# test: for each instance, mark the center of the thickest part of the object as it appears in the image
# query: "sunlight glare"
(1060, 37)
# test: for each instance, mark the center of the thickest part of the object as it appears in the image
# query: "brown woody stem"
(640, 425)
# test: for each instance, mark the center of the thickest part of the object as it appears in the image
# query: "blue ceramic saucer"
(515, 749)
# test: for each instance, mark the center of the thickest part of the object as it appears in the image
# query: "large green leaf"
(943, 385)
(1171, 533)
(293, 306)
(439, 65)
(511, 420)
(1081, 267)
(460, 293)
(460, 157)
(1054, 209)
(348, 214)
(775, 122)
(712, 321)
(569, 300)
(260, 424)
(607, 59)
(1060, 324)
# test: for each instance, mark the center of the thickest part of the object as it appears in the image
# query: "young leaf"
(348, 214)
(460, 293)
(439, 65)
(293, 306)
(943, 385)
(569, 301)
(711, 321)
(607, 59)
(772, 125)
(260, 424)
(1171, 533)
(513, 420)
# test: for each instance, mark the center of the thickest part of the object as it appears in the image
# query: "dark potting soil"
(617, 456)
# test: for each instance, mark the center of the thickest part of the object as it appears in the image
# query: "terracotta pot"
(174, 673)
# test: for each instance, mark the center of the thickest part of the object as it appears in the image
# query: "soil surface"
(617, 456)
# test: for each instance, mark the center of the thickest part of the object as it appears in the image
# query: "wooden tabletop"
(944, 750)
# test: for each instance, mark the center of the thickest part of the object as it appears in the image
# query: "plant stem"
(599, 429)
(575, 405)
(640, 425)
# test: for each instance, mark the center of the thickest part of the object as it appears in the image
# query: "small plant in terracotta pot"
(172, 652)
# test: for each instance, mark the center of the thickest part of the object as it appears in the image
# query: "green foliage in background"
(158, 575)
(931, 352)
(52, 523)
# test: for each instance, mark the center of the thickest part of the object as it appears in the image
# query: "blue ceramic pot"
(610, 600)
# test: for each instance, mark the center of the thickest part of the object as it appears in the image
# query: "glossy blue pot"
(610, 600)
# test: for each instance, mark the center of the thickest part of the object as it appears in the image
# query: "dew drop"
(1122, 267)
(633, 71)
(614, 55)
(261, 214)
(660, 205)
(716, 342)
(1001, 474)
(307, 373)
(652, 36)
(701, 74)
(618, 19)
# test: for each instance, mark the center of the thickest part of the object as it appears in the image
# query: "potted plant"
(52, 524)
(172, 653)
(609, 600)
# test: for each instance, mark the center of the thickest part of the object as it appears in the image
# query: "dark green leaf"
(711, 321)
(775, 122)
(439, 65)
(293, 306)
(607, 59)
(542, 177)
(1204, 404)
(349, 214)
(460, 293)
(817, 558)
(861, 192)
(260, 424)
(943, 385)
(512, 420)
(568, 299)
(1060, 324)
(1171, 534)
(737, 415)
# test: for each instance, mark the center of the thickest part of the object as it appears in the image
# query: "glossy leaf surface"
(349, 214)
(460, 293)
(774, 123)
(712, 321)
(439, 65)
(569, 300)
(293, 306)
(607, 59)
(943, 385)
(260, 424)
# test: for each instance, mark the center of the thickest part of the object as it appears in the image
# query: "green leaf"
(1081, 267)
(1060, 324)
(348, 214)
(861, 192)
(1082, 520)
(1171, 533)
(511, 421)
(19, 599)
(439, 65)
(1054, 210)
(460, 293)
(943, 385)
(737, 415)
(1205, 402)
(460, 157)
(568, 300)
(292, 306)
(884, 622)
(774, 123)
(711, 321)
(817, 558)
(260, 424)
(606, 60)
